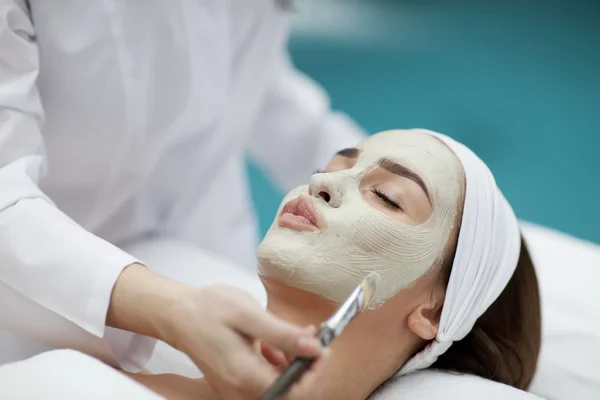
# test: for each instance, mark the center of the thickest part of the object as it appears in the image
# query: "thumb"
(284, 336)
(275, 357)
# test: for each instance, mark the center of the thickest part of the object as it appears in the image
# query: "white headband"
(487, 253)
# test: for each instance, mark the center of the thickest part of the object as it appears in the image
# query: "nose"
(320, 188)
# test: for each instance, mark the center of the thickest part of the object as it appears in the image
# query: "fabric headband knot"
(486, 257)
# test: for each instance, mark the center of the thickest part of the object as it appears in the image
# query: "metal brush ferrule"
(347, 311)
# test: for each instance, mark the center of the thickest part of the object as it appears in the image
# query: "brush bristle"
(369, 284)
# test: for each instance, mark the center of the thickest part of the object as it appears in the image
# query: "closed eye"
(387, 200)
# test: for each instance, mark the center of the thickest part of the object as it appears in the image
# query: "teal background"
(518, 82)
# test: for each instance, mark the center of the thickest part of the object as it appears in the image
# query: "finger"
(313, 383)
(257, 346)
(310, 330)
(285, 359)
(243, 371)
(280, 334)
(274, 356)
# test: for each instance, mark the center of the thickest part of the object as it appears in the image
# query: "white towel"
(438, 385)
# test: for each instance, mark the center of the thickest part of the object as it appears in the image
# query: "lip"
(300, 214)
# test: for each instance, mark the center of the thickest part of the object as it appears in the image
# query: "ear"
(424, 320)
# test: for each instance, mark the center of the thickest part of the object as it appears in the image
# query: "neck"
(357, 346)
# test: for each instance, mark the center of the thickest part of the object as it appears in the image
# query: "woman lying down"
(457, 292)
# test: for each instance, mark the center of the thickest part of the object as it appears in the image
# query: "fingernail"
(306, 343)
(311, 329)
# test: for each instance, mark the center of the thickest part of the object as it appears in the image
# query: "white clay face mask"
(358, 238)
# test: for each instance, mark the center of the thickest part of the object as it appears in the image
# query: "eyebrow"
(401, 170)
(350, 152)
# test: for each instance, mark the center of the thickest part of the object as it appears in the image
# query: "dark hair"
(504, 343)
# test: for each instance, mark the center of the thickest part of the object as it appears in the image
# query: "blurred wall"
(516, 81)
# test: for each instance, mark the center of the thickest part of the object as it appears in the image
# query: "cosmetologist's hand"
(215, 326)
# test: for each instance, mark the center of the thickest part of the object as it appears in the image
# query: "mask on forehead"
(358, 238)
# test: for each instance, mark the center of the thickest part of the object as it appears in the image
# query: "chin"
(304, 260)
(282, 250)
(289, 255)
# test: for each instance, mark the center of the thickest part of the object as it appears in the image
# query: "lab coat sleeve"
(296, 131)
(46, 258)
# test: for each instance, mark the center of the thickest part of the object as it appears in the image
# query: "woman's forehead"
(419, 152)
(390, 141)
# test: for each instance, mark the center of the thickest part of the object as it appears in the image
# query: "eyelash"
(386, 199)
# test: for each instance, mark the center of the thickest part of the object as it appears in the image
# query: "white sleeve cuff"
(70, 273)
(131, 351)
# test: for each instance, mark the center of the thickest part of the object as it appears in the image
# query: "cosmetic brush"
(329, 330)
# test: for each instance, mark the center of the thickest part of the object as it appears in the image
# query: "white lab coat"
(120, 119)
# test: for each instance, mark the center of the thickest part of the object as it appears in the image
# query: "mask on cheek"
(358, 239)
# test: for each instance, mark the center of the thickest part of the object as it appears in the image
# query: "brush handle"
(298, 367)
(290, 376)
